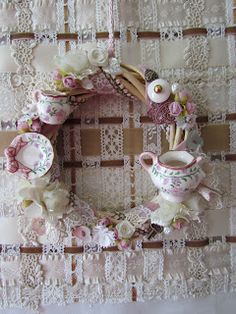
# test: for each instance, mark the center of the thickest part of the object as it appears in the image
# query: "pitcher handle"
(143, 162)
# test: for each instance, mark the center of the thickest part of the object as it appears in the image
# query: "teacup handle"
(36, 95)
(143, 162)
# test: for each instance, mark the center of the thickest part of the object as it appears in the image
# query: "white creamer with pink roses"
(53, 107)
(176, 173)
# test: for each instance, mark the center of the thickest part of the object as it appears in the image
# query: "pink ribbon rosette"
(14, 165)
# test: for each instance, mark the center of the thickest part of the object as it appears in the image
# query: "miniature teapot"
(53, 107)
(176, 173)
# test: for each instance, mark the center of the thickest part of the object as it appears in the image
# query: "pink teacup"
(53, 107)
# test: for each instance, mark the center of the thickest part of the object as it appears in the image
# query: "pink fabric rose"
(190, 107)
(124, 244)
(175, 109)
(36, 126)
(179, 223)
(104, 222)
(116, 235)
(57, 75)
(83, 233)
(70, 82)
(26, 123)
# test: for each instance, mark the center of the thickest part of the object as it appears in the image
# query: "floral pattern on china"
(52, 107)
(30, 155)
(176, 173)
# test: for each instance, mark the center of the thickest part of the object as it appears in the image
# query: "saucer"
(30, 155)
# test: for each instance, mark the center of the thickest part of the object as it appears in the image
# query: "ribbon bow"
(14, 165)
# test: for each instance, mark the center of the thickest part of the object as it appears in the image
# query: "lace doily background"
(92, 142)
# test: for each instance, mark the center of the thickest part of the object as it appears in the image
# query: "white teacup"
(53, 107)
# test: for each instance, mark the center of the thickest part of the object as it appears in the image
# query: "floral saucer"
(30, 155)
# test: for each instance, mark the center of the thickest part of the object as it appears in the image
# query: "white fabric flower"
(75, 62)
(196, 205)
(188, 210)
(98, 57)
(125, 229)
(32, 190)
(164, 215)
(56, 200)
(52, 198)
(103, 236)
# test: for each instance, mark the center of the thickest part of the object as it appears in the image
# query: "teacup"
(176, 173)
(53, 107)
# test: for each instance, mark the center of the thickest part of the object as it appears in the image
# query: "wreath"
(180, 174)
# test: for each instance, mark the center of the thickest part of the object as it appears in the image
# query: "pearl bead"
(158, 89)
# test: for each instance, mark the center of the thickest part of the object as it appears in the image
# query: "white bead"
(167, 230)
(176, 87)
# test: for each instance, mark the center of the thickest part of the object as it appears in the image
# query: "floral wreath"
(183, 191)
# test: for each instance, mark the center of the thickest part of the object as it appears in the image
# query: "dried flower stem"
(132, 79)
(186, 132)
(178, 137)
(171, 136)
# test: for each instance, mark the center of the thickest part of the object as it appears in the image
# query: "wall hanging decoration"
(177, 174)
(116, 180)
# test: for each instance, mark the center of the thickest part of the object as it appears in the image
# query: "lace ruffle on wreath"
(62, 278)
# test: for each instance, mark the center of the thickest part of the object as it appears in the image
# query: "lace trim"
(23, 15)
(60, 15)
(40, 277)
(8, 207)
(151, 15)
(16, 89)
(229, 12)
(71, 16)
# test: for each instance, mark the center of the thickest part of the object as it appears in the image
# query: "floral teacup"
(176, 173)
(53, 107)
